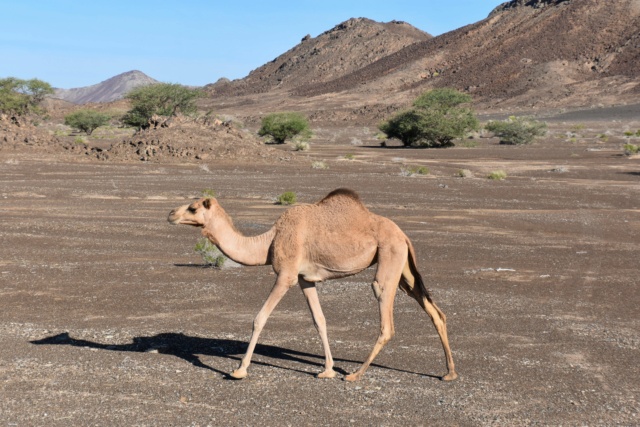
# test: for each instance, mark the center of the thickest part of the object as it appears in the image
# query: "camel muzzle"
(174, 218)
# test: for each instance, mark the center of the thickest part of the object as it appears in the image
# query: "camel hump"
(342, 192)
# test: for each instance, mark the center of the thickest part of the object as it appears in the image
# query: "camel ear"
(206, 203)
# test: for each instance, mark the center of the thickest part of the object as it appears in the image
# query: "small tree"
(211, 255)
(283, 126)
(517, 130)
(435, 120)
(163, 99)
(287, 198)
(20, 97)
(86, 120)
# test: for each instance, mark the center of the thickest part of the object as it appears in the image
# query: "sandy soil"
(107, 316)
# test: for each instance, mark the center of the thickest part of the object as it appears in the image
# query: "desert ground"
(109, 317)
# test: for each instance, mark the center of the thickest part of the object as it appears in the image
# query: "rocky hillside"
(109, 90)
(525, 52)
(342, 50)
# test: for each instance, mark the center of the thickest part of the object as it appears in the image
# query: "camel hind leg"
(385, 287)
(414, 287)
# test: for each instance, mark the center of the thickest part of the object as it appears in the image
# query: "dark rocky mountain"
(109, 90)
(525, 54)
(342, 50)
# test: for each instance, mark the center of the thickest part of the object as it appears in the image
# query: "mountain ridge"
(109, 90)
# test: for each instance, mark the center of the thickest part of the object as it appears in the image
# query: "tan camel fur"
(335, 237)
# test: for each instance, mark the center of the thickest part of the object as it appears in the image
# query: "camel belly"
(326, 266)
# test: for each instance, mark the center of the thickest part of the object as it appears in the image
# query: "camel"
(333, 238)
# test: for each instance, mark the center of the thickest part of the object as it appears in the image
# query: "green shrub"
(283, 126)
(210, 253)
(287, 198)
(163, 99)
(631, 149)
(517, 130)
(86, 120)
(209, 193)
(498, 175)
(435, 120)
(629, 133)
(349, 156)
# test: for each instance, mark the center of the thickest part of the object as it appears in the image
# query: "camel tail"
(416, 274)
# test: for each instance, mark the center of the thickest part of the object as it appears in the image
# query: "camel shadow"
(190, 348)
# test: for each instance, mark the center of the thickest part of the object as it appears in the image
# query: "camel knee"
(258, 323)
(321, 326)
(386, 334)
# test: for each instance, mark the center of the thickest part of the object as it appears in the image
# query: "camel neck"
(245, 250)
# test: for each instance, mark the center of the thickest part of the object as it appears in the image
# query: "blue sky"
(195, 42)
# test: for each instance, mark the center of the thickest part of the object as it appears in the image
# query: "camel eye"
(191, 209)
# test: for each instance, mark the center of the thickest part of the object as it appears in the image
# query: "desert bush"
(86, 120)
(283, 126)
(631, 149)
(301, 146)
(207, 192)
(629, 133)
(498, 175)
(517, 130)
(435, 120)
(465, 173)
(319, 165)
(211, 255)
(286, 198)
(414, 170)
(163, 99)
(20, 97)
(349, 156)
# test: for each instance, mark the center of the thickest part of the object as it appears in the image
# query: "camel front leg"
(311, 293)
(282, 285)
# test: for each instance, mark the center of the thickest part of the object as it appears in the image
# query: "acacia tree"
(20, 97)
(436, 119)
(283, 126)
(163, 99)
(86, 120)
(517, 130)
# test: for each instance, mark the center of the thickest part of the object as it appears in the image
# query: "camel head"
(196, 214)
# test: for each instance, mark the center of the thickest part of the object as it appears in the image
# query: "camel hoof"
(353, 377)
(239, 374)
(450, 376)
(329, 373)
